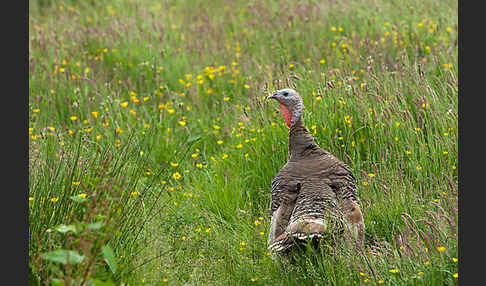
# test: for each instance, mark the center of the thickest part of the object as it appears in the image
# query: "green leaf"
(99, 216)
(66, 228)
(78, 199)
(63, 256)
(57, 282)
(192, 139)
(109, 256)
(96, 225)
(98, 282)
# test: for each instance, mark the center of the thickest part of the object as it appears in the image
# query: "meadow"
(152, 151)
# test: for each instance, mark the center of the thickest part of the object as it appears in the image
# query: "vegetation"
(151, 149)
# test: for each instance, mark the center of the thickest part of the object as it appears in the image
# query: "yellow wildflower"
(441, 248)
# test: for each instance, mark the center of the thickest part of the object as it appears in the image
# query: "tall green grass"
(156, 109)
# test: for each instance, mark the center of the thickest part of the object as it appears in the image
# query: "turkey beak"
(274, 96)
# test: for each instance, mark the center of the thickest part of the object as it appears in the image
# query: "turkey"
(314, 193)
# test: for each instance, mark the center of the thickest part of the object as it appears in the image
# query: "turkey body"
(313, 194)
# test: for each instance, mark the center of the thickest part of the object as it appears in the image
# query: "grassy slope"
(379, 81)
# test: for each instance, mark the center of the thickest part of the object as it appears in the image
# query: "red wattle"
(286, 114)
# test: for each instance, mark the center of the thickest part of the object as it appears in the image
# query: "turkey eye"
(285, 93)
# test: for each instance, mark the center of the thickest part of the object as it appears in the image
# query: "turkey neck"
(301, 142)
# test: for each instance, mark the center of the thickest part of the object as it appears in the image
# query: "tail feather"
(288, 241)
(299, 231)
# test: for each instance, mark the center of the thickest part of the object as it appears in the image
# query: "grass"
(151, 150)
